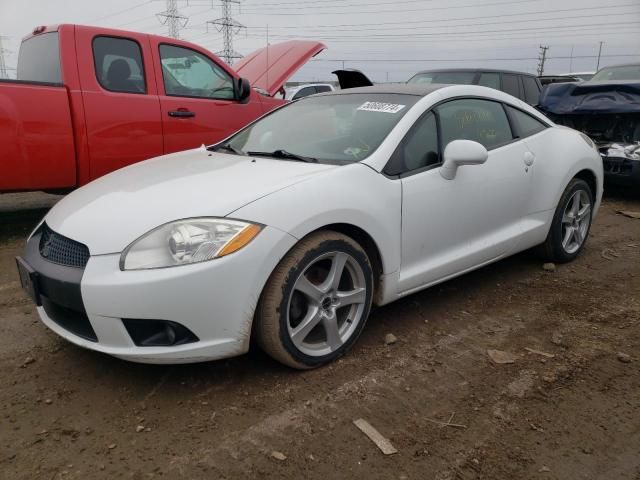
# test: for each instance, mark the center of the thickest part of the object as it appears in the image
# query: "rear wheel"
(316, 301)
(571, 224)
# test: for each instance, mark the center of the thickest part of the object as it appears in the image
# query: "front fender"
(354, 194)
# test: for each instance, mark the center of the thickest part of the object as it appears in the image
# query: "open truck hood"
(270, 67)
(591, 97)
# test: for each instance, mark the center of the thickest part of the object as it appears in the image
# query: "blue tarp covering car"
(591, 98)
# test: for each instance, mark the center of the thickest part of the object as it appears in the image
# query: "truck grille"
(62, 250)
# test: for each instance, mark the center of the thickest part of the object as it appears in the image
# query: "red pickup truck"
(90, 100)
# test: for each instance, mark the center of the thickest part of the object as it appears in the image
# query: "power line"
(540, 30)
(119, 12)
(404, 60)
(422, 22)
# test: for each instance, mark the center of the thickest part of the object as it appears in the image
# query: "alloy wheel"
(576, 220)
(326, 304)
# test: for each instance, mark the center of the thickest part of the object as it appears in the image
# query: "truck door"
(198, 98)
(120, 100)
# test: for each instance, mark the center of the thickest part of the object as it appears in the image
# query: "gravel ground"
(568, 407)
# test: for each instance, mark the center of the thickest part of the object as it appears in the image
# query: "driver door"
(197, 99)
(451, 226)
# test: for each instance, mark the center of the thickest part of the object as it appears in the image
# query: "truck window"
(187, 73)
(39, 59)
(118, 63)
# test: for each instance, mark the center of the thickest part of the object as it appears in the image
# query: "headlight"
(187, 241)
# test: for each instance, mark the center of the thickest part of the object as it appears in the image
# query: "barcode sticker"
(381, 107)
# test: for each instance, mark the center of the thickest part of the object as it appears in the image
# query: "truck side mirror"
(243, 90)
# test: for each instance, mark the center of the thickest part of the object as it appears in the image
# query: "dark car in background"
(607, 109)
(547, 79)
(524, 86)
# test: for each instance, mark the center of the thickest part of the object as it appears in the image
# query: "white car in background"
(295, 93)
(290, 230)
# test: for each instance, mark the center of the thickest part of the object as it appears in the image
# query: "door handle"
(181, 113)
(529, 157)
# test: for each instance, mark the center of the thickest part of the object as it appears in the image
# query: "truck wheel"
(316, 302)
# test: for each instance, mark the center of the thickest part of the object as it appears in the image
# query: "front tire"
(571, 224)
(316, 302)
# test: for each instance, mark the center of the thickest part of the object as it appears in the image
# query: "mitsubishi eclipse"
(287, 232)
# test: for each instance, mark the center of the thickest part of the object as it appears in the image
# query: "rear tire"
(571, 224)
(316, 302)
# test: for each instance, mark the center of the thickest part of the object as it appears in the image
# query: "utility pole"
(173, 18)
(599, 53)
(571, 60)
(3, 64)
(542, 56)
(229, 27)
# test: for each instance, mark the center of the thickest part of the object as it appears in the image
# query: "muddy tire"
(571, 224)
(316, 302)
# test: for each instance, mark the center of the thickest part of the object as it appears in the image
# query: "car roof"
(621, 65)
(487, 70)
(419, 90)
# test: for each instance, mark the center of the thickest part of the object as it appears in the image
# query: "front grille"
(62, 250)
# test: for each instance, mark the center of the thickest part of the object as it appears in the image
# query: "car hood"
(591, 97)
(352, 78)
(270, 67)
(111, 212)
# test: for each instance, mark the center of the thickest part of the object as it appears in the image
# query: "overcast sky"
(388, 40)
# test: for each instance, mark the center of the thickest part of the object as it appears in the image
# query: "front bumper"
(215, 300)
(621, 171)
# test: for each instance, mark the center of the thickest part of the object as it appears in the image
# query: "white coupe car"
(288, 231)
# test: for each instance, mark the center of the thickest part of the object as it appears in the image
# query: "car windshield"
(336, 129)
(625, 72)
(457, 78)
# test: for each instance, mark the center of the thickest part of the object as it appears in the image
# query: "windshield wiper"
(280, 153)
(228, 147)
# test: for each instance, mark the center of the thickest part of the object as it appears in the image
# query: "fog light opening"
(158, 333)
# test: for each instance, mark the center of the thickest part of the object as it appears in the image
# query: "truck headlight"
(192, 240)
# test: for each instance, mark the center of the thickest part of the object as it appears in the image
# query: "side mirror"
(243, 90)
(461, 152)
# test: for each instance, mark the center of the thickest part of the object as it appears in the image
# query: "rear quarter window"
(39, 59)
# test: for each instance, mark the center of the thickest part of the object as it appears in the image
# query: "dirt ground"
(570, 413)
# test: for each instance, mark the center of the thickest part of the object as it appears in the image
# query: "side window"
(525, 124)
(510, 84)
(187, 73)
(489, 79)
(322, 88)
(419, 148)
(118, 63)
(531, 91)
(304, 92)
(482, 121)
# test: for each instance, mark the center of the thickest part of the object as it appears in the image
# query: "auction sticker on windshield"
(381, 107)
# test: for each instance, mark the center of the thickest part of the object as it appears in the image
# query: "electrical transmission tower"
(173, 18)
(229, 27)
(542, 56)
(3, 64)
